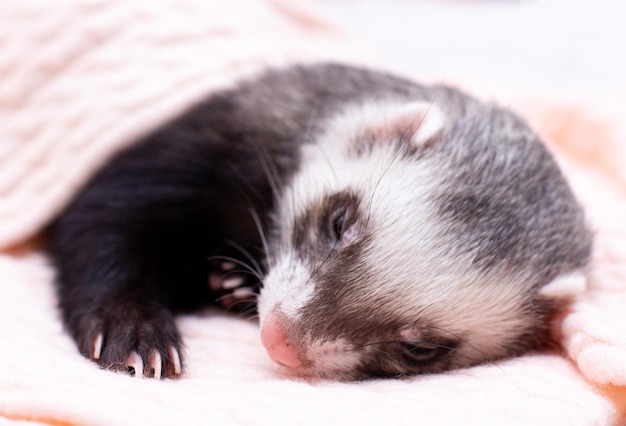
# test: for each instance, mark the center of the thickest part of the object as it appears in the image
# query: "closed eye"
(339, 216)
(338, 224)
(423, 352)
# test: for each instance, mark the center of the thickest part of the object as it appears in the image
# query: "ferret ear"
(419, 122)
(565, 286)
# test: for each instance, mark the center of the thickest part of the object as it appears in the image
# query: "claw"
(175, 359)
(155, 363)
(97, 346)
(231, 283)
(243, 292)
(135, 362)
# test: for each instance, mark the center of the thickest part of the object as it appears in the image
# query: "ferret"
(396, 228)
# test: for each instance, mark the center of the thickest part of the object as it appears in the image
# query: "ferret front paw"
(232, 285)
(140, 339)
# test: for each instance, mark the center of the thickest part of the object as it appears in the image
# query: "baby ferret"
(397, 229)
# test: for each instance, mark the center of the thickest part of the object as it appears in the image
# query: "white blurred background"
(559, 48)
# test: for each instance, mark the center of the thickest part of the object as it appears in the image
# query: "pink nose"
(277, 346)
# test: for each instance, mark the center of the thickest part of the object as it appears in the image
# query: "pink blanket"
(82, 79)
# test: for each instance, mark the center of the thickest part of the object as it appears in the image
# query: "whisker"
(269, 169)
(259, 227)
(246, 253)
(332, 168)
(250, 314)
(457, 336)
(309, 128)
(318, 267)
(242, 271)
(248, 268)
(388, 342)
(307, 135)
(400, 151)
(249, 298)
(377, 343)
(404, 351)
(247, 314)
(236, 302)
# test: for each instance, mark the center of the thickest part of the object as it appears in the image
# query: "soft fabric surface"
(83, 79)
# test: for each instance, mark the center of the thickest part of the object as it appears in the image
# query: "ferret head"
(411, 242)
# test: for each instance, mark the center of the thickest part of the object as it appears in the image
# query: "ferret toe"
(243, 293)
(155, 364)
(233, 282)
(225, 282)
(175, 357)
(97, 346)
(227, 266)
(122, 336)
(135, 363)
(234, 290)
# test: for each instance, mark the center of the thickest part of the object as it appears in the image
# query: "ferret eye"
(422, 352)
(338, 222)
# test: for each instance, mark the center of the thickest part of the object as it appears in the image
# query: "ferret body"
(400, 229)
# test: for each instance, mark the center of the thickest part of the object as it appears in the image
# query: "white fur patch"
(331, 357)
(288, 286)
(385, 120)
